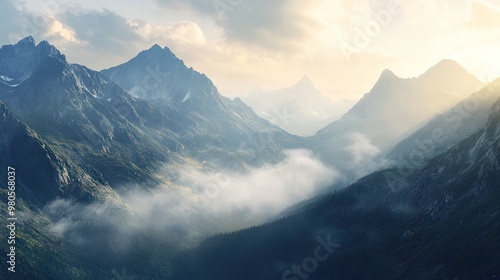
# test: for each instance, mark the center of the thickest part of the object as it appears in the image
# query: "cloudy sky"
(342, 45)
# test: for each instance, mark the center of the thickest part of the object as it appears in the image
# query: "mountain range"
(95, 122)
(101, 163)
(300, 109)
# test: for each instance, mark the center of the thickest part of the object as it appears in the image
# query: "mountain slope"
(79, 139)
(300, 109)
(43, 173)
(20, 60)
(439, 222)
(392, 110)
(92, 121)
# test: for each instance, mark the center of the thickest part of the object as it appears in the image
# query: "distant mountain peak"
(300, 109)
(156, 47)
(451, 77)
(256, 90)
(448, 63)
(445, 67)
(305, 78)
(387, 77)
(27, 41)
(388, 74)
(304, 82)
(158, 73)
(46, 49)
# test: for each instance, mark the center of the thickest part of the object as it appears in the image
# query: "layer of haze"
(242, 44)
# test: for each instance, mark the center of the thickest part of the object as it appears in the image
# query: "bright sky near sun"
(342, 45)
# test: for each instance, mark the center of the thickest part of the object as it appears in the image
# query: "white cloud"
(57, 30)
(176, 35)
